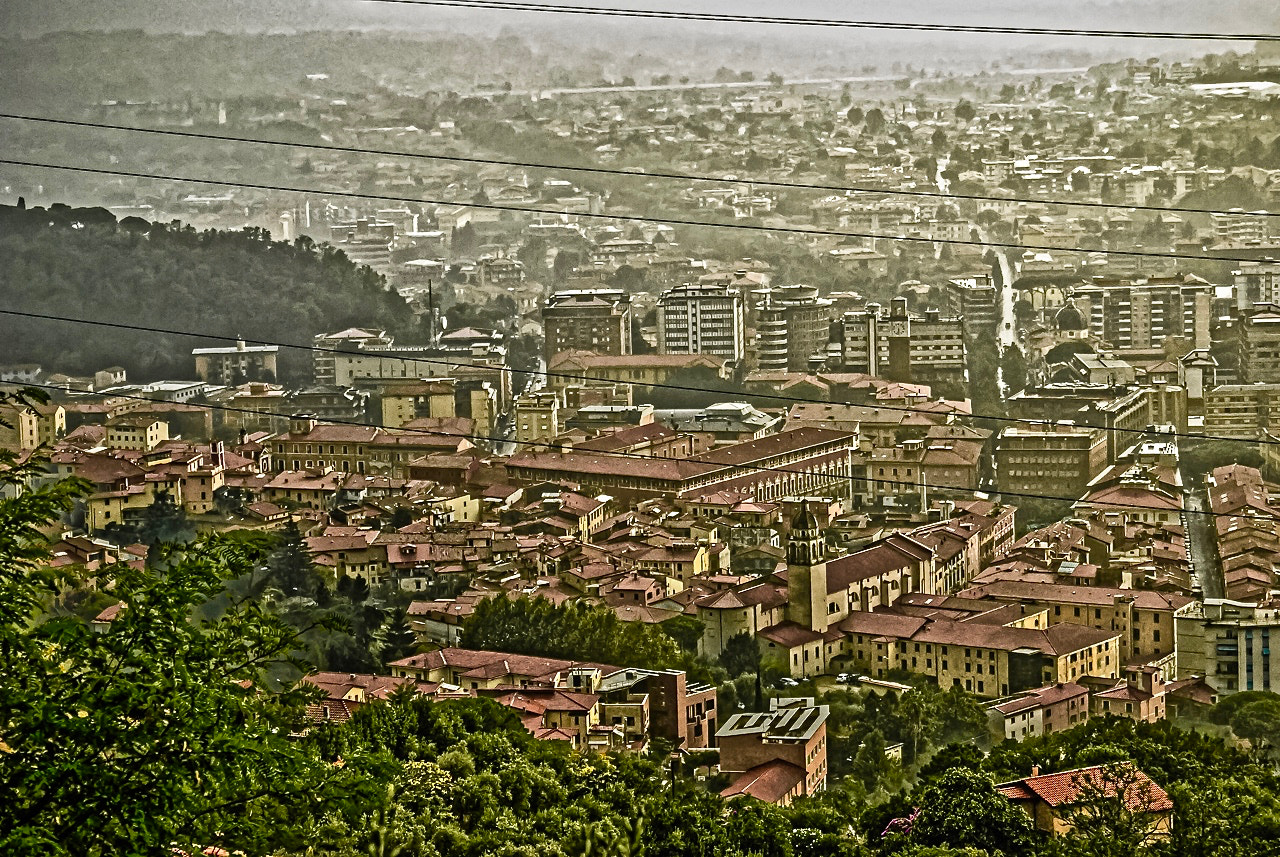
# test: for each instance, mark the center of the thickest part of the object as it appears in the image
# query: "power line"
(611, 12)
(669, 221)
(613, 171)
(546, 373)
(751, 468)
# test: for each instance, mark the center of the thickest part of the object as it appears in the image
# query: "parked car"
(786, 682)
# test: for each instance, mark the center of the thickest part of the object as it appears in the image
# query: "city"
(484, 436)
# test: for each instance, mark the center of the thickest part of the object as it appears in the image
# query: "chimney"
(1035, 770)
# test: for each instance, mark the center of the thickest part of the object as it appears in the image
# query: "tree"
(1258, 723)
(854, 115)
(1116, 812)
(685, 630)
(965, 111)
(874, 120)
(157, 734)
(741, 655)
(963, 809)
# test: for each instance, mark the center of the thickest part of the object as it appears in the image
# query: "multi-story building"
(597, 320)
(142, 435)
(236, 364)
(1242, 410)
(702, 318)
(1122, 413)
(570, 368)
(365, 242)
(792, 328)
(1143, 313)
(776, 755)
(1256, 282)
(800, 461)
(1041, 711)
(537, 416)
(479, 357)
(1259, 344)
(1229, 643)
(973, 299)
(1238, 226)
(1147, 621)
(899, 346)
(351, 339)
(987, 659)
(1055, 460)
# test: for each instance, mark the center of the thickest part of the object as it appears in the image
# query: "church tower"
(806, 572)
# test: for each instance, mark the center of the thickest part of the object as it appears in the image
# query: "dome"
(1069, 318)
(804, 519)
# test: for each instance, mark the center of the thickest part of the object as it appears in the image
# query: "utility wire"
(750, 468)
(612, 12)
(669, 221)
(613, 171)
(589, 378)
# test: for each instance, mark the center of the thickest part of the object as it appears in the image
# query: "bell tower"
(806, 572)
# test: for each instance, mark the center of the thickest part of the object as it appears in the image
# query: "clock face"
(897, 328)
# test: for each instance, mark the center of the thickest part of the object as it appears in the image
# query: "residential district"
(1049, 478)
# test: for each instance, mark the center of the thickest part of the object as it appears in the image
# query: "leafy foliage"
(575, 630)
(60, 260)
(158, 730)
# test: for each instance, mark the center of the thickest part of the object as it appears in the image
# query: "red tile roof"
(770, 782)
(1068, 787)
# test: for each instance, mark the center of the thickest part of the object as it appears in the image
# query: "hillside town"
(749, 419)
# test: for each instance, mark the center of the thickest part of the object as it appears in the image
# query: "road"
(1202, 545)
(1006, 322)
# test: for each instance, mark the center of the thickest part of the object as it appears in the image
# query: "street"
(1202, 545)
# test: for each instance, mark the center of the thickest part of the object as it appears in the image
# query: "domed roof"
(804, 519)
(1069, 318)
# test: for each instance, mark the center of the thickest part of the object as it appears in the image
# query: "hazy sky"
(34, 16)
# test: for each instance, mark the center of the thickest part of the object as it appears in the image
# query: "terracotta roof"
(1067, 787)
(770, 782)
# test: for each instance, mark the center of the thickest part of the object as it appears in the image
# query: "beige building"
(1054, 460)
(1228, 642)
(237, 364)
(141, 435)
(1242, 410)
(537, 416)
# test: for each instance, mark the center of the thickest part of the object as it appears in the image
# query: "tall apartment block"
(793, 327)
(597, 320)
(1143, 313)
(973, 298)
(702, 318)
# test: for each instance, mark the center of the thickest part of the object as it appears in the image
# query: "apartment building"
(974, 300)
(1258, 336)
(1256, 282)
(597, 320)
(236, 364)
(1143, 313)
(1146, 621)
(1041, 711)
(702, 318)
(1242, 410)
(792, 328)
(537, 416)
(991, 660)
(1060, 459)
(1229, 643)
(902, 346)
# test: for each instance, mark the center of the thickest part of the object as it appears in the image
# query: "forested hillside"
(82, 263)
